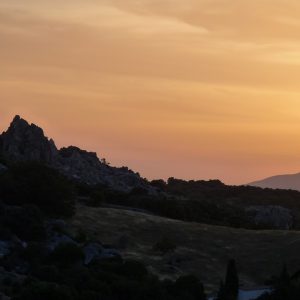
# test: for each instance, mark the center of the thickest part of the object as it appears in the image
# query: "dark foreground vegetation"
(40, 259)
(33, 267)
(284, 286)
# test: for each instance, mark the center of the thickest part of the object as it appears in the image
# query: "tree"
(283, 285)
(284, 276)
(221, 292)
(104, 161)
(231, 287)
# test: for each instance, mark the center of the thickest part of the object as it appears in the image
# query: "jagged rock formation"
(273, 216)
(27, 142)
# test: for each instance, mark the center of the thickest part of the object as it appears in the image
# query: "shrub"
(96, 199)
(26, 222)
(190, 285)
(34, 183)
(45, 291)
(134, 270)
(80, 236)
(67, 254)
(164, 245)
(48, 273)
(34, 253)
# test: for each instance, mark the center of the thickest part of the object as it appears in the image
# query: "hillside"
(210, 202)
(201, 249)
(73, 227)
(289, 181)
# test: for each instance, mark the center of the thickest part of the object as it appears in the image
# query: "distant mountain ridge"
(287, 182)
(26, 142)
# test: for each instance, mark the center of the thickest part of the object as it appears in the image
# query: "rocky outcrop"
(86, 167)
(58, 239)
(95, 251)
(271, 216)
(27, 142)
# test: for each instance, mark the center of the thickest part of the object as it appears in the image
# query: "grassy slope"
(202, 249)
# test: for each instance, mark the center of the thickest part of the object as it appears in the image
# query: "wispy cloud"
(213, 81)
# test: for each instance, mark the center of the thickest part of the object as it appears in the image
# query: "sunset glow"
(193, 89)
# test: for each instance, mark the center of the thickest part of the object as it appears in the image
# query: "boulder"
(91, 252)
(271, 215)
(95, 251)
(58, 239)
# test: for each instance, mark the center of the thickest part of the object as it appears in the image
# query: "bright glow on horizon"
(194, 89)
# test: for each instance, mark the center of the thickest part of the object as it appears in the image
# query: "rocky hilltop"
(27, 142)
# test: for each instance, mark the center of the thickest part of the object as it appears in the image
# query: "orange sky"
(194, 89)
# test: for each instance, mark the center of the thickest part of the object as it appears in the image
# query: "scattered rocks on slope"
(86, 167)
(95, 251)
(273, 216)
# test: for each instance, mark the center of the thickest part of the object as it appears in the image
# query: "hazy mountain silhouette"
(288, 181)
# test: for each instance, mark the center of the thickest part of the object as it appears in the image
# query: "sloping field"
(201, 249)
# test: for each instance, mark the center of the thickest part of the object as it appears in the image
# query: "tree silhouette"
(231, 287)
(221, 292)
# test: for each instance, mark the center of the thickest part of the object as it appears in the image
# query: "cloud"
(211, 81)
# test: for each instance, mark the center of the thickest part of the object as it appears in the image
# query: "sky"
(193, 89)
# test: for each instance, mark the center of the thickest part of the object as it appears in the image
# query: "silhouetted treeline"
(216, 190)
(210, 202)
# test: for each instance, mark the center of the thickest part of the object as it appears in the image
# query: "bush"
(34, 183)
(67, 254)
(190, 285)
(34, 253)
(80, 236)
(134, 270)
(26, 222)
(48, 273)
(164, 245)
(96, 199)
(45, 291)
